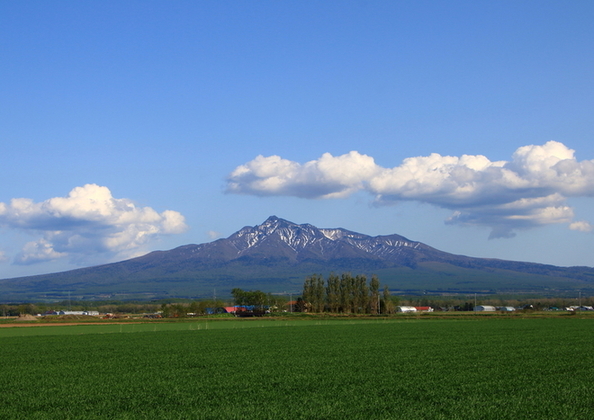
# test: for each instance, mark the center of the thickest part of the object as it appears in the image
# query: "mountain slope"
(277, 255)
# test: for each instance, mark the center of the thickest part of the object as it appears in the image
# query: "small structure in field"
(484, 308)
(424, 308)
(406, 309)
(88, 313)
(237, 309)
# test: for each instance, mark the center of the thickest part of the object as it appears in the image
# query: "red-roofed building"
(234, 309)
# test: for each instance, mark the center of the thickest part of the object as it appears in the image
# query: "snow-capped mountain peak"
(297, 241)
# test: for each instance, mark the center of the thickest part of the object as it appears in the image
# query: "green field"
(484, 368)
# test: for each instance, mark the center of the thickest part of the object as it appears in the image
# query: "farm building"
(238, 308)
(213, 311)
(91, 313)
(424, 308)
(506, 309)
(484, 308)
(406, 309)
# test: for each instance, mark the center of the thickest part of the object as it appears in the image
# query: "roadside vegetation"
(279, 305)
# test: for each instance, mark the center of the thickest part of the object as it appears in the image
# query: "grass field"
(483, 368)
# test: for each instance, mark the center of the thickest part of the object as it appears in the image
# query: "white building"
(406, 309)
(484, 308)
(92, 313)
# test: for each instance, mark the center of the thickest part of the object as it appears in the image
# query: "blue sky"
(132, 126)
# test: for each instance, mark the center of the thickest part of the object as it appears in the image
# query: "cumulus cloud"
(581, 226)
(326, 177)
(527, 191)
(38, 251)
(86, 222)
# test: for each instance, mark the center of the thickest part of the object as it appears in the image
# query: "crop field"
(496, 368)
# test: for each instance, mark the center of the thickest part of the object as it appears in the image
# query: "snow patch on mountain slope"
(300, 237)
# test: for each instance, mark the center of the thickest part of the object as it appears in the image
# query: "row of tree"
(250, 297)
(102, 307)
(346, 294)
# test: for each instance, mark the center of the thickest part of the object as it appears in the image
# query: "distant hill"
(277, 255)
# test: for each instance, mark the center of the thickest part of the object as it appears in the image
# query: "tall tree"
(388, 304)
(319, 293)
(313, 293)
(360, 294)
(308, 292)
(346, 293)
(239, 296)
(333, 293)
(374, 295)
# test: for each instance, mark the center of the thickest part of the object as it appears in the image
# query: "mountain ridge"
(277, 255)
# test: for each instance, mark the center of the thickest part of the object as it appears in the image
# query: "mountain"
(277, 255)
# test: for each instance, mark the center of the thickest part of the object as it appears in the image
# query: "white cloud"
(41, 250)
(528, 191)
(212, 234)
(581, 226)
(88, 221)
(524, 213)
(327, 177)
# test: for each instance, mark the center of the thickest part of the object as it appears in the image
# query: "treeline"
(250, 297)
(192, 308)
(339, 294)
(258, 302)
(103, 307)
(346, 294)
(467, 303)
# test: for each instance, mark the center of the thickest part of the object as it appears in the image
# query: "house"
(237, 309)
(484, 308)
(51, 312)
